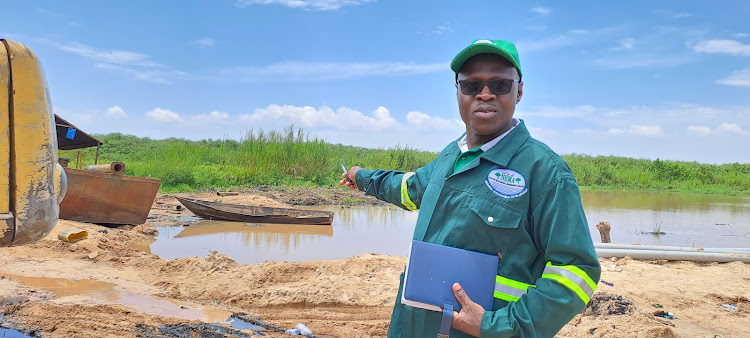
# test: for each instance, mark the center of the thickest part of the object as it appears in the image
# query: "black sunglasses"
(497, 86)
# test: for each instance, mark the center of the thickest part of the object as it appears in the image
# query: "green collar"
(464, 158)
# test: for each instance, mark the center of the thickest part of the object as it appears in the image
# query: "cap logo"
(484, 41)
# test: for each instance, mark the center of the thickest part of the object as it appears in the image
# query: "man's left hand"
(470, 318)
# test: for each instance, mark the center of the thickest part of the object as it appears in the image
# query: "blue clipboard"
(432, 269)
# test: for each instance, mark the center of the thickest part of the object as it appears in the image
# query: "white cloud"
(204, 42)
(120, 57)
(625, 44)
(670, 130)
(645, 130)
(149, 74)
(570, 38)
(442, 29)
(660, 46)
(681, 15)
(292, 71)
(212, 116)
(218, 115)
(343, 118)
(731, 128)
(383, 118)
(548, 43)
(319, 5)
(135, 65)
(542, 10)
(701, 130)
(349, 126)
(416, 118)
(741, 35)
(738, 78)
(163, 115)
(731, 47)
(644, 61)
(116, 112)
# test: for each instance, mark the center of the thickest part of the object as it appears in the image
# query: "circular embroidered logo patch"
(506, 183)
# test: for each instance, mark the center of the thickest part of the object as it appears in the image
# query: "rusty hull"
(97, 197)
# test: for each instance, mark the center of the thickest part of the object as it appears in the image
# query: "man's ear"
(520, 92)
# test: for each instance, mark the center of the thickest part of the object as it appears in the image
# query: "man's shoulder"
(544, 158)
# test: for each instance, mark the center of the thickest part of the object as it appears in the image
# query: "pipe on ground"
(745, 251)
(673, 255)
(114, 168)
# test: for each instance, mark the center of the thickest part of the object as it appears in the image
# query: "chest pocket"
(489, 227)
(495, 215)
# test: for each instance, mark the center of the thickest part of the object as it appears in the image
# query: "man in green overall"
(496, 190)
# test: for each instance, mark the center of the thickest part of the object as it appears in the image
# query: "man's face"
(486, 114)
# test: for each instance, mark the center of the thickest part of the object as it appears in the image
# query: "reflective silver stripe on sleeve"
(571, 276)
(509, 290)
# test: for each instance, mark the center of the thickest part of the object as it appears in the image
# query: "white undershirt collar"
(464, 147)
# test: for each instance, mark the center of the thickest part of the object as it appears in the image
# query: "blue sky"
(642, 79)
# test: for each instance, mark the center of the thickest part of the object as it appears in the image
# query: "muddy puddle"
(691, 220)
(91, 292)
(10, 333)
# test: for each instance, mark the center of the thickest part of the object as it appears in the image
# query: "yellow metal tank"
(32, 183)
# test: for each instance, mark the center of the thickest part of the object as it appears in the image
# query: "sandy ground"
(103, 286)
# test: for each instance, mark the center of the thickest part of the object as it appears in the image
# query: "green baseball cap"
(503, 48)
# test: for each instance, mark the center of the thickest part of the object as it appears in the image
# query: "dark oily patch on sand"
(189, 330)
(603, 303)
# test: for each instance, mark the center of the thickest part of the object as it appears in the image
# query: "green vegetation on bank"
(292, 157)
(639, 174)
(261, 158)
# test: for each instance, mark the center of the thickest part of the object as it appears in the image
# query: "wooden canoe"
(255, 214)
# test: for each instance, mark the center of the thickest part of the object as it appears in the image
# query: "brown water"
(355, 230)
(698, 220)
(86, 291)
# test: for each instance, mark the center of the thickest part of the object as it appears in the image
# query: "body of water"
(693, 220)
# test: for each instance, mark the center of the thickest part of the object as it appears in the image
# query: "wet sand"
(105, 285)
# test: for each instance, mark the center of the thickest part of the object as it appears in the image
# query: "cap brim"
(474, 50)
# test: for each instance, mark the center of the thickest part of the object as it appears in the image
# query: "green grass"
(609, 172)
(261, 158)
(292, 157)
(352, 200)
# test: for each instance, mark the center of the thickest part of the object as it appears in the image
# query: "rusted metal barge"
(101, 193)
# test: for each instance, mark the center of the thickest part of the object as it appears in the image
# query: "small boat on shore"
(255, 214)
